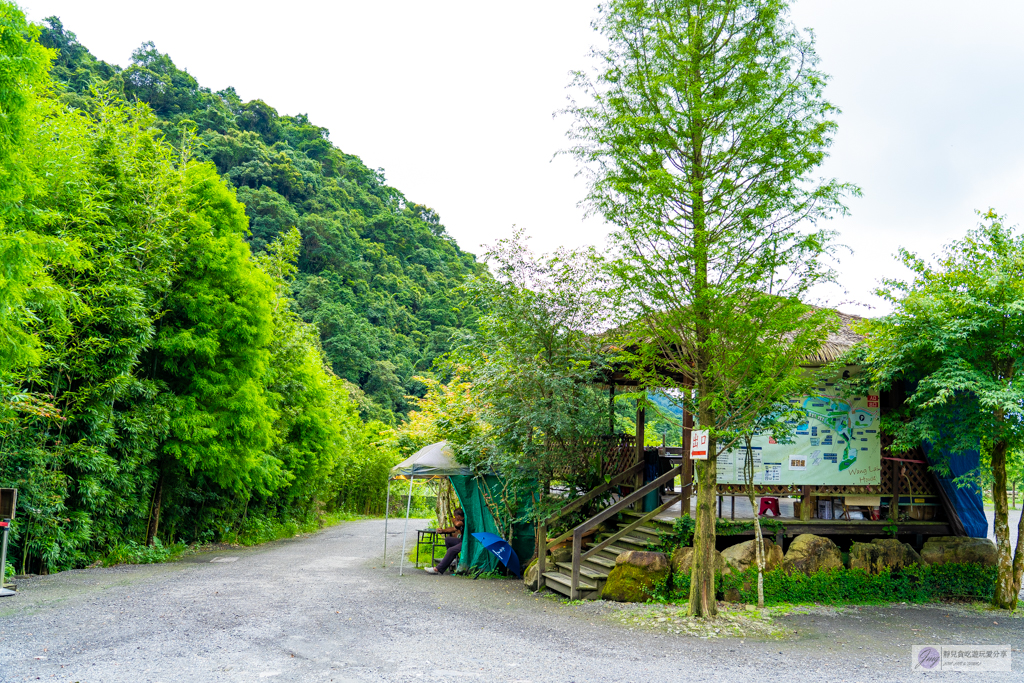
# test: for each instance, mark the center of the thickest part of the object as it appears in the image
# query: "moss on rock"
(634, 576)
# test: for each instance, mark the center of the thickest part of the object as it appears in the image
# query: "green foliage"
(26, 287)
(955, 333)
(377, 275)
(130, 552)
(532, 365)
(914, 584)
(158, 384)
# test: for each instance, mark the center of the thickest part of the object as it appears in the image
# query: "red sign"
(872, 404)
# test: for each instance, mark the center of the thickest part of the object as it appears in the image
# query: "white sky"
(455, 101)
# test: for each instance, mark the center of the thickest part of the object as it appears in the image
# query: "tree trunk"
(759, 546)
(748, 477)
(703, 601)
(1007, 588)
(154, 518)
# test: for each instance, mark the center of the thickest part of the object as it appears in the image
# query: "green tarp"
(478, 519)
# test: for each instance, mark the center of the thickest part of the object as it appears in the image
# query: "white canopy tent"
(430, 462)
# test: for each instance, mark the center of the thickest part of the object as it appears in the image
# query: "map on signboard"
(838, 443)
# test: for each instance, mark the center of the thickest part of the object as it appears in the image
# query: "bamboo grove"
(209, 315)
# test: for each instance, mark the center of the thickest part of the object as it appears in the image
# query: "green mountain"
(378, 274)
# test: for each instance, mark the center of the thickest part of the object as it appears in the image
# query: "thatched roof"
(839, 342)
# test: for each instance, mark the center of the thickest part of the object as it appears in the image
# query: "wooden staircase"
(593, 570)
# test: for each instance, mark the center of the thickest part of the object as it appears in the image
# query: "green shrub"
(130, 552)
(915, 584)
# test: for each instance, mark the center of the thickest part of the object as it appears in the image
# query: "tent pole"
(408, 509)
(387, 506)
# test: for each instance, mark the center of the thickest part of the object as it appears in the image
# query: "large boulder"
(634, 575)
(560, 554)
(809, 553)
(959, 549)
(739, 557)
(531, 576)
(682, 561)
(882, 553)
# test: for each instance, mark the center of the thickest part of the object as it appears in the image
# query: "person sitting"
(452, 541)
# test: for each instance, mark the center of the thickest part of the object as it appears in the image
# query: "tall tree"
(532, 364)
(701, 131)
(25, 284)
(956, 330)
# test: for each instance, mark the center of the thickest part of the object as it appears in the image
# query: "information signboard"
(838, 443)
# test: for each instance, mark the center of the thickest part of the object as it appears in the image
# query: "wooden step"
(599, 563)
(611, 552)
(585, 572)
(655, 534)
(659, 524)
(560, 583)
(626, 541)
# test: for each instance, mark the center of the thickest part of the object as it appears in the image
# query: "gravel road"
(321, 608)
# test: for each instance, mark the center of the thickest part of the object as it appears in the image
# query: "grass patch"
(257, 530)
(130, 552)
(732, 622)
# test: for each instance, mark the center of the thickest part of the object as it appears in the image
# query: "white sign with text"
(699, 444)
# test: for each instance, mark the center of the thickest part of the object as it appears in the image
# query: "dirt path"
(320, 608)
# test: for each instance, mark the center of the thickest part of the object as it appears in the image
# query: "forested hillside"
(209, 315)
(378, 275)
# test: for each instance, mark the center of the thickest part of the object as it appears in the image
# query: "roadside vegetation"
(161, 381)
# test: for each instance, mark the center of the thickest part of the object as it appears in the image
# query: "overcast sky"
(455, 101)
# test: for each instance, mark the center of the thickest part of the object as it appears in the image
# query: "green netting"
(478, 519)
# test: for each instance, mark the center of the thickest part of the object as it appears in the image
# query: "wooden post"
(639, 480)
(611, 409)
(542, 554)
(806, 503)
(894, 504)
(577, 550)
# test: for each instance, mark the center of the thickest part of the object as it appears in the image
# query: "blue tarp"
(966, 500)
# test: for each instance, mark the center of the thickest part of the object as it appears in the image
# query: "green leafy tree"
(26, 287)
(164, 385)
(956, 331)
(377, 274)
(213, 347)
(533, 364)
(701, 132)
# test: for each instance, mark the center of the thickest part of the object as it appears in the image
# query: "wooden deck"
(740, 510)
(835, 527)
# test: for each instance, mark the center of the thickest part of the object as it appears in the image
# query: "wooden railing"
(577, 534)
(542, 529)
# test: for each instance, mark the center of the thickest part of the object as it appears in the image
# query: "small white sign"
(699, 444)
